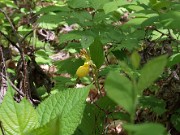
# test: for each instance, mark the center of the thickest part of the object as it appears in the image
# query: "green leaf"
(104, 71)
(109, 7)
(98, 4)
(86, 41)
(49, 21)
(129, 43)
(78, 3)
(68, 105)
(151, 71)
(152, 2)
(135, 7)
(69, 65)
(174, 59)
(9, 3)
(136, 22)
(171, 19)
(162, 5)
(97, 52)
(51, 128)
(119, 89)
(99, 17)
(146, 129)
(175, 119)
(158, 106)
(70, 36)
(43, 60)
(42, 57)
(53, 8)
(135, 59)
(91, 124)
(84, 17)
(112, 6)
(17, 118)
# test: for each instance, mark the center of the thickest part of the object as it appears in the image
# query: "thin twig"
(3, 82)
(7, 17)
(11, 83)
(12, 42)
(12, 26)
(17, 44)
(26, 36)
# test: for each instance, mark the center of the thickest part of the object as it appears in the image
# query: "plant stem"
(95, 77)
(134, 91)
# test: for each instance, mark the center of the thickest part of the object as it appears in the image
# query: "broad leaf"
(51, 128)
(119, 89)
(146, 129)
(17, 118)
(68, 105)
(97, 53)
(151, 71)
(86, 41)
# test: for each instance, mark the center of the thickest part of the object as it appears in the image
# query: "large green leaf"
(17, 118)
(151, 71)
(51, 128)
(146, 129)
(97, 52)
(68, 105)
(119, 89)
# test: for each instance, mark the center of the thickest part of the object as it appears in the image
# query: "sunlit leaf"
(17, 118)
(68, 105)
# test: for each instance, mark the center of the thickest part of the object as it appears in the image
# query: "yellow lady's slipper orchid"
(82, 71)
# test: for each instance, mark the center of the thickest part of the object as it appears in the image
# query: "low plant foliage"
(89, 67)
